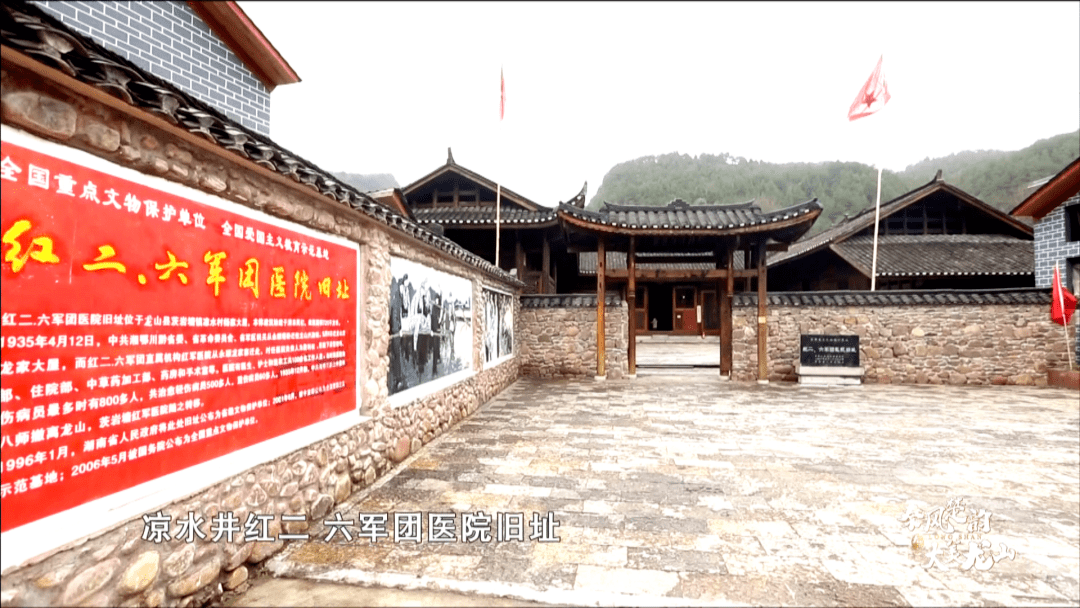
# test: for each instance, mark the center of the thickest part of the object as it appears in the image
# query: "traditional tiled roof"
(27, 29)
(937, 255)
(865, 218)
(573, 300)
(924, 297)
(616, 260)
(681, 216)
(474, 216)
(451, 167)
(1055, 191)
(927, 297)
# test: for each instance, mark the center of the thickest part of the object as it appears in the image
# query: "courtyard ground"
(686, 489)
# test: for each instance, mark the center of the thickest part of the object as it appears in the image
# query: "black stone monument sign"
(828, 351)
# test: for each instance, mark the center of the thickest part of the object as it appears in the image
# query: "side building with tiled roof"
(934, 237)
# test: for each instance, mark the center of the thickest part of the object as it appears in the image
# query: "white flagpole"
(498, 185)
(1065, 321)
(877, 223)
(498, 221)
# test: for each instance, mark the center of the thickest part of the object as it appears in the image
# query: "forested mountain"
(998, 178)
(367, 182)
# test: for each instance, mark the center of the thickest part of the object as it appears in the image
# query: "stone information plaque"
(828, 351)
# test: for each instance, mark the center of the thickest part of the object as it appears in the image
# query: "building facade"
(934, 237)
(210, 50)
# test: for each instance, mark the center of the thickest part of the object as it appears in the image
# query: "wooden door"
(641, 309)
(684, 307)
(710, 310)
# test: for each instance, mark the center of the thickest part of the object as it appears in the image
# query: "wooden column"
(601, 269)
(546, 267)
(762, 330)
(631, 298)
(747, 265)
(726, 304)
(519, 256)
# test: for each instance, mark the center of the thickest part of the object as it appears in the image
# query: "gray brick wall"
(170, 41)
(1051, 247)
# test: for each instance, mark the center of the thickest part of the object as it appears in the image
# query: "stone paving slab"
(690, 490)
(673, 351)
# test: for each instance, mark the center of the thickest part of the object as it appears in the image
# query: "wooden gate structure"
(714, 233)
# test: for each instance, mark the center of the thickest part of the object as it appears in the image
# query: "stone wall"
(957, 343)
(556, 336)
(114, 564)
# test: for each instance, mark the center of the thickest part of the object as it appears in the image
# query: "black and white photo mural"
(430, 324)
(498, 325)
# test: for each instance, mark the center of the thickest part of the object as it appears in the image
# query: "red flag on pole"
(1063, 304)
(502, 95)
(872, 96)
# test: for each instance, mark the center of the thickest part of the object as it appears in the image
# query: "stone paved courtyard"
(673, 490)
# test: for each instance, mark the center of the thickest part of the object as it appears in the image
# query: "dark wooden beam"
(703, 258)
(661, 275)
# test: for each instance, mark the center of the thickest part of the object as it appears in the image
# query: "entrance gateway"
(665, 240)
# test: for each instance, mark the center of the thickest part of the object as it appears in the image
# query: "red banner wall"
(144, 333)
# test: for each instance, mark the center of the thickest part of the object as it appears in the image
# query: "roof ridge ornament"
(449, 156)
(937, 177)
(579, 200)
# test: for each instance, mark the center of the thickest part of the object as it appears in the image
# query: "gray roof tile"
(941, 255)
(616, 260)
(936, 297)
(484, 216)
(683, 216)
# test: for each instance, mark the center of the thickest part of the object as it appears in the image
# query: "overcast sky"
(387, 87)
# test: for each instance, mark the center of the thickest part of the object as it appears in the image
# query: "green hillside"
(999, 178)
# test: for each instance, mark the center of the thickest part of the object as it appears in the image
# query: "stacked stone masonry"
(170, 41)
(560, 341)
(116, 565)
(950, 344)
